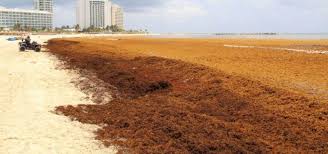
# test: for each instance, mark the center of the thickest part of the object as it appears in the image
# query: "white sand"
(30, 88)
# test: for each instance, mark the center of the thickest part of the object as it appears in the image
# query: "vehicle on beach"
(24, 45)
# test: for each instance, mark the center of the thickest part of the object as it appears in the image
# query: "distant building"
(95, 13)
(98, 13)
(43, 5)
(117, 16)
(40, 18)
(25, 18)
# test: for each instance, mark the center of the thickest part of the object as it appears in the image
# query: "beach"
(31, 88)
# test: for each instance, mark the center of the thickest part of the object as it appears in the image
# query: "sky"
(208, 16)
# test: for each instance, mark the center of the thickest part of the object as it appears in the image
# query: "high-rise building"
(95, 13)
(43, 5)
(117, 16)
(40, 18)
(98, 13)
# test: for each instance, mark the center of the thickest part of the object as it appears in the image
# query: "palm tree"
(77, 27)
(114, 28)
(18, 27)
(107, 28)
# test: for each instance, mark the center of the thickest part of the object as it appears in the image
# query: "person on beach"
(28, 40)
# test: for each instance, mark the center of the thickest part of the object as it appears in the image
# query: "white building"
(38, 19)
(95, 13)
(117, 16)
(43, 5)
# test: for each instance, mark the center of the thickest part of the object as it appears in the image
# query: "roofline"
(24, 11)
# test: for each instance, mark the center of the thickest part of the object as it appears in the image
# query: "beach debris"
(11, 39)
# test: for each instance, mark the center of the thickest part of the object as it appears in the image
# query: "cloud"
(139, 5)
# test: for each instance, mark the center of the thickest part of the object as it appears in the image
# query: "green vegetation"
(20, 27)
(77, 28)
(115, 28)
(112, 28)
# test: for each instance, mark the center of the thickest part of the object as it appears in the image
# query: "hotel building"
(98, 13)
(94, 13)
(39, 18)
(43, 5)
(117, 16)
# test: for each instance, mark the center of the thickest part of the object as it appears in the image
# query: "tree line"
(76, 28)
(20, 27)
(112, 28)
